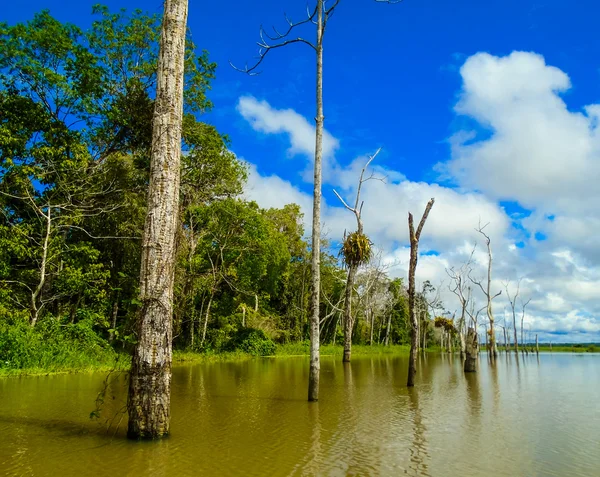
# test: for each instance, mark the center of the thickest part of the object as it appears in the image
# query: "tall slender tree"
(493, 351)
(414, 254)
(356, 251)
(150, 378)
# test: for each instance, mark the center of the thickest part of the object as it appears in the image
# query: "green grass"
(303, 349)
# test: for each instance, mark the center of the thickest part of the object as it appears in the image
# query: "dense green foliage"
(75, 135)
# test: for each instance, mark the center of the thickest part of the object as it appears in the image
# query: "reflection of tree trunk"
(418, 449)
(471, 351)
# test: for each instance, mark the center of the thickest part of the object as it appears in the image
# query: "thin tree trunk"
(537, 347)
(114, 313)
(414, 251)
(35, 308)
(348, 321)
(315, 361)
(207, 316)
(372, 324)
(388, 331)
(522, 342)
(487, 346)
(150, 376)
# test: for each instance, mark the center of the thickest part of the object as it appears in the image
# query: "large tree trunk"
(315, 361)
(150, 377)
(471, 351)
(348, 321)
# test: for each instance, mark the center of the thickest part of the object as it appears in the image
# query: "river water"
(535, 417)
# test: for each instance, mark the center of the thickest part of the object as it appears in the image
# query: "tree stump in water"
(472, 350)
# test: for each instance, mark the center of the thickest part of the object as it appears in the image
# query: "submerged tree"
(488, 293)
(459, 287)
(513, 302)
(414, 253)
(319, 17)
(150, 377)
(356, 251)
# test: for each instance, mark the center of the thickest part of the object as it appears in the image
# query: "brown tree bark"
(471, 350)
(150, 377)
(315, 359)
(414, 253)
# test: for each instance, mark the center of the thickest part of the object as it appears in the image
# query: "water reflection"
(252, 419)
(419, 454)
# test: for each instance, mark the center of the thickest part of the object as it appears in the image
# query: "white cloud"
(266, 119)
(540, 153)
(535, 151)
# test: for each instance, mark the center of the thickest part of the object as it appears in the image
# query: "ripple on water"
(252, 419)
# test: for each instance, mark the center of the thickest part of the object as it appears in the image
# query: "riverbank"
(121, 361)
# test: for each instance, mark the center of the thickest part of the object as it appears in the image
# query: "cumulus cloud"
(525, 146)
(539, 153)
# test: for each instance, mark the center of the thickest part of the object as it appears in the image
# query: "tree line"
(122, 214)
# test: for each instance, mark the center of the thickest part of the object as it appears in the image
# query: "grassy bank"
(80, 362)
(563, 348)
(302, 349)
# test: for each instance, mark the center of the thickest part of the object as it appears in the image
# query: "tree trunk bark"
(471, 351)
(205, 326)
(388, 330)
(537, 347)
(35, 296)
(315, 360)
(114, 313)
(150, 376)
(348, 321)
(414, 251)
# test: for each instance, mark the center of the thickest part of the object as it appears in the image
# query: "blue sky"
(412, 79)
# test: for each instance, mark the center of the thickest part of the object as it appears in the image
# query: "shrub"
(51, 345)
(252, 341)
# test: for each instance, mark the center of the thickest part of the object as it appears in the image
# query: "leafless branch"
(280, 39)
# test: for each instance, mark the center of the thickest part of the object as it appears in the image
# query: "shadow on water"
(65, 427)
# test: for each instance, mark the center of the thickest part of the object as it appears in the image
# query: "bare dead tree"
(149, 397)
(513, 301)
(458, 285)
(414, 322)
(319, 17)
(431, 296)
(523, 305)
(354, 264)
(487, 292)
(472, 342)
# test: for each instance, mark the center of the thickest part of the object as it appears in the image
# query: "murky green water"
(540, 418)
